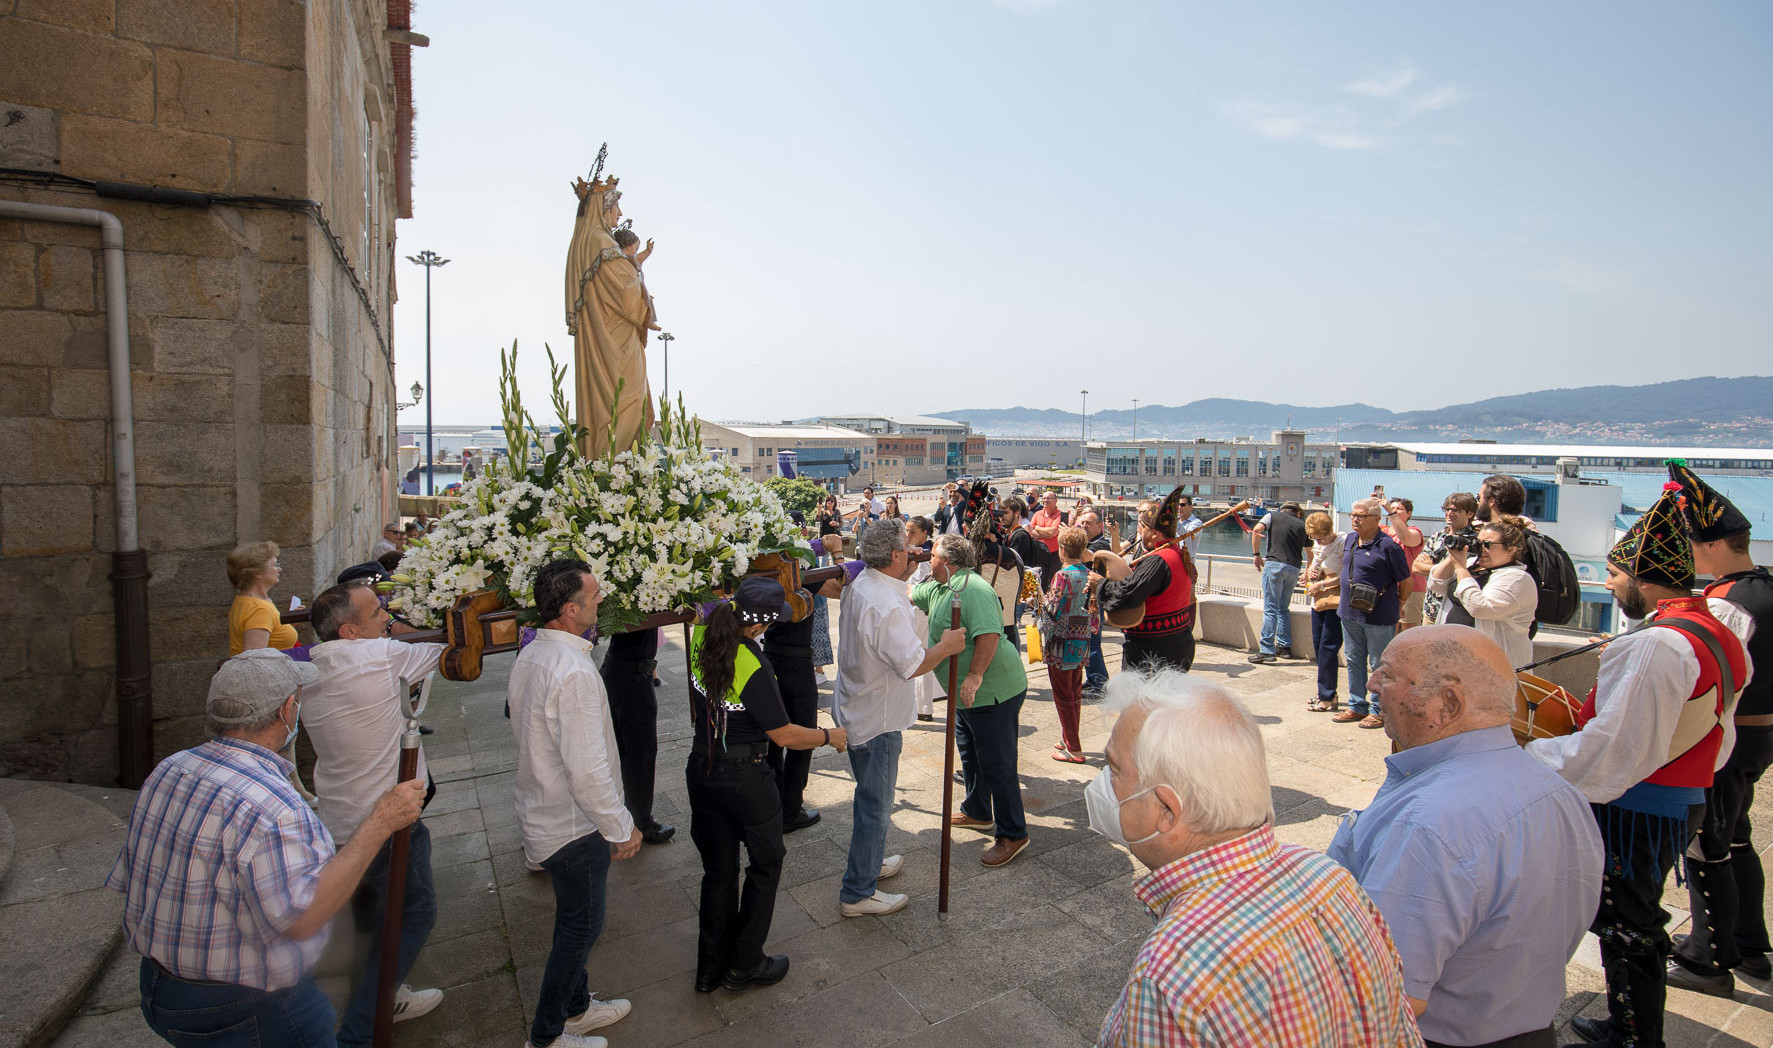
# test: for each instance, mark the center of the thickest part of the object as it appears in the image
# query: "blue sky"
(929, 204)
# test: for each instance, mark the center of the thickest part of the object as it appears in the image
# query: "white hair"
(1202, 743)
(879, 542)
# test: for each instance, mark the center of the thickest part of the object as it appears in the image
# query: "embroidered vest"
(1171, 611)
(1693, 752)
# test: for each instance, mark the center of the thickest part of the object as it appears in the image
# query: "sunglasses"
(1489, 543)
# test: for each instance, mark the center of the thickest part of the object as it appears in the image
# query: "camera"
(1461, 541)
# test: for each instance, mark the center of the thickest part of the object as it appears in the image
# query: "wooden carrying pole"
(948, 759)
(394, 900)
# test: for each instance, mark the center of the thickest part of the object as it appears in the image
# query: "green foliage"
(798, 495)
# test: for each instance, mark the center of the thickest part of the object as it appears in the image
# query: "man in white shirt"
(879, 658)
(353, 717)
(569, 796)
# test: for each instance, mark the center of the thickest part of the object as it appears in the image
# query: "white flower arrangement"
(663, 524)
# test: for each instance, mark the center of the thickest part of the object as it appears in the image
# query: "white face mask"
(293, 728)
(1104, 808)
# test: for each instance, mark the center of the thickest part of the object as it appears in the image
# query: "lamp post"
(667, 338)
(430, 260)
(1135, 419)
(1083, 424)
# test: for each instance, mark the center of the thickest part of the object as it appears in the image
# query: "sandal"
(1065, 756)
(1346, 717)
(1324, 705)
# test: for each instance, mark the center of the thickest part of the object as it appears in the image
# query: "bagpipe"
(1117, 568)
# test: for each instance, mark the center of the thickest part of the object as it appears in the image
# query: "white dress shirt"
(878, 651)
(353, 715)
(569, 781)
(1645, 680)
(1502, 608)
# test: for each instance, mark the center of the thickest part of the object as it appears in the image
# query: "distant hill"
(1724, 412)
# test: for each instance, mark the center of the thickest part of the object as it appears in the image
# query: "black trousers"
(1166, 649)
(800, 694)
(734, 803)
(1725, 882)
(1546, 1038)
(634, 713)
(1631, 923)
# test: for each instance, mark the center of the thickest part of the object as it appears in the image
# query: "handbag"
(1327, 602)
(1032, 634)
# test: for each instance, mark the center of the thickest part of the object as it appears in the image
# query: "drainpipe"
(129, 564)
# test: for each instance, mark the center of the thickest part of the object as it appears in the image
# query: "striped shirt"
(221, 857)
(1259, 943)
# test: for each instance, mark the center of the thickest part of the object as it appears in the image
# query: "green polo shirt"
(980, 614)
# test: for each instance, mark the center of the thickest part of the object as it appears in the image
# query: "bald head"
(1442, 680)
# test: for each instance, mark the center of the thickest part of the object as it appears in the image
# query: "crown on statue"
(585, 189)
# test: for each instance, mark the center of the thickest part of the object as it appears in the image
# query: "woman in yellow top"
(253, 621)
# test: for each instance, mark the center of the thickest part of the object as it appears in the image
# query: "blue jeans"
(579, 872)
(418, 915)
(1096, 672)
(986, 738)
(1365, 643)
(1326, 640)
(1278, 582)
(217, 1015)
(875, 764)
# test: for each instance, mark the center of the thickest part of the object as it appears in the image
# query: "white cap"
(253, 684)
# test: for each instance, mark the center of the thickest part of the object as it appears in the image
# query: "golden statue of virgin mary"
(606, 312)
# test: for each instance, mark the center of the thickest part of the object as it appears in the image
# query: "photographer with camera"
(1502, 604)
(1460, 509)
(1375, 580)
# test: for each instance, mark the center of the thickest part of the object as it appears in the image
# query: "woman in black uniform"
(732, 786)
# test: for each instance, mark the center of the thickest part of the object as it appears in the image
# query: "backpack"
(1560, 591)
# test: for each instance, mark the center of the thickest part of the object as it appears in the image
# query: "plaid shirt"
(222, 856)
(1261, 943)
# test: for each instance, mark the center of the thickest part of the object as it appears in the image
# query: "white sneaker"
(410, 1003)
(574, 1040)
(878, 903)
(533, 867)
(891, 865)
(598, 1013)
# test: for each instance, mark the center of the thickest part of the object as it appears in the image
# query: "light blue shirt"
(1487, 866)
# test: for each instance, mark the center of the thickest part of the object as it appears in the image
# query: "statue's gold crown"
(585, 189)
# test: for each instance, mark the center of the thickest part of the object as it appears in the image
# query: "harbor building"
(1285, 468)
(1482, 456)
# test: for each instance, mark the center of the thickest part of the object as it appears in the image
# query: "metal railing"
(1206, 585)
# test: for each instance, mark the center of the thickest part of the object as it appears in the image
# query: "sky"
(924, 205)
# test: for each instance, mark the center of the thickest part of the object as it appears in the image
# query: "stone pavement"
(1030, 955)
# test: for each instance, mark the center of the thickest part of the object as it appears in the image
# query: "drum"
(1542, 710)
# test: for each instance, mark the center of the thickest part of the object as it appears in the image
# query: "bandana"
(1656, 549)
(1708, 515)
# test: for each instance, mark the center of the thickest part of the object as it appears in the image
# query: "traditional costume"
(998, 563)
(1725, 881)
(1162, 580)
(1652, 732)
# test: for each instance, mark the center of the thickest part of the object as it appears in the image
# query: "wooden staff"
(948, 759)
(393, 915)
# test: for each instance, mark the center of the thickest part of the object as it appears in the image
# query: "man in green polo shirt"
(992, 687)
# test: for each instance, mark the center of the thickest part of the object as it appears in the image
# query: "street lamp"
(418, 394)
(667, 338)
(1135, 419)
(430, 260)
(1083, 425)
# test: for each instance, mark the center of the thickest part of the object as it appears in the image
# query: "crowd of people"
(1474, 848)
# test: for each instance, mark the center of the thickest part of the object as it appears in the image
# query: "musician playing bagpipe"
(1163, 581)
(1725, 881)
(1656, 727)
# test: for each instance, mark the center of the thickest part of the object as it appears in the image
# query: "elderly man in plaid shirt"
(1257, 942)
(230, 880)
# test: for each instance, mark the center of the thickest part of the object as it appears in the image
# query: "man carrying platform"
(1656, 726)
(1725, 882)
(1163, 581)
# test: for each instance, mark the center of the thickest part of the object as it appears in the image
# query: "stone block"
(270, 168)
(275, 32)
(33, 336)
(186, 518)
(43, 520)
(24, 391)
(74, 71)
(288, 515)
(49, 651)
(288, 400)
(52, 451)
(100, 147)
(88, 343)
(181, 231)
(196, 347)
(284, 349)
(51, 705)
(188, 633)
(227, 97)
(92, 758)
(180, 687)
(18, 275)
(195, 576)
(64, 278)
(79, 393)
(12, 653)
(63, 586)
(30, 137)
(174, 453)
(177, 286)
(286, 455)
(99, 16)
(283, 294)
(183, 398)
(199, 25)
(94, 641)
(283, 236)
